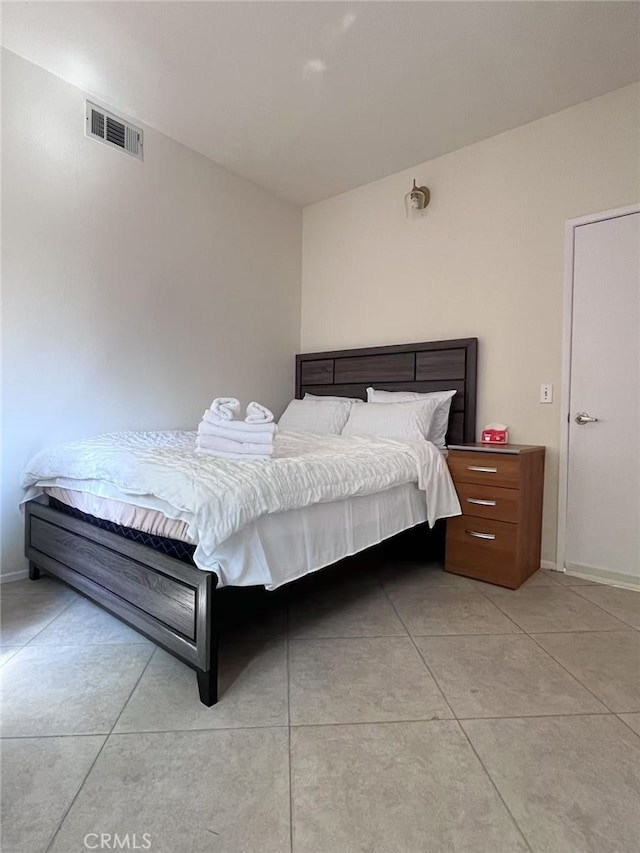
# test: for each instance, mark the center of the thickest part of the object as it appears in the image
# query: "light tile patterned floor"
(383, 708)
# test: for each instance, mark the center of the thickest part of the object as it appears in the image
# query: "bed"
(149, 577)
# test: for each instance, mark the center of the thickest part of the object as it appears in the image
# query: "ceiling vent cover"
(113, 130)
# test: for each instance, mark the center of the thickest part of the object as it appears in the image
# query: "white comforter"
(217, 498)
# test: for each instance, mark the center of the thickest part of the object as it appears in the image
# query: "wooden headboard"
(430, 366)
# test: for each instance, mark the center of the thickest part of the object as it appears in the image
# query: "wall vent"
(113, 130)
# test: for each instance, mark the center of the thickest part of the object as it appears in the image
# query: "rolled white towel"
(238, 427)
(258, 414)
(237, 457)
(227, 408)
(264, 435)
(214, 442)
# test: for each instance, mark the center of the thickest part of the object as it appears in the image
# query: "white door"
(603, 487)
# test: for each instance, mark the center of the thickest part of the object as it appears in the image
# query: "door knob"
(583, 418)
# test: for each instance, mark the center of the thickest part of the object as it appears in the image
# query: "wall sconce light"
(416, 201)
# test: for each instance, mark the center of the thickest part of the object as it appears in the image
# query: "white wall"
(488, 261)
(132, 293)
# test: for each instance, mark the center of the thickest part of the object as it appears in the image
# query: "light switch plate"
(546, 393)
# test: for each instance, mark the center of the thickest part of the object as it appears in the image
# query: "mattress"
(137, 517)
(182, 551)
(319, 498)
(276, 548)
(225, 504)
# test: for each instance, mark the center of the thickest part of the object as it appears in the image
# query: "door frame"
(565, 386)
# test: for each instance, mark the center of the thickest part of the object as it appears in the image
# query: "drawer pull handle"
(481, 469)
(480, 503)
(480, 535)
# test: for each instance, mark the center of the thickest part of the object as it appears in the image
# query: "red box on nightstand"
(495, 436)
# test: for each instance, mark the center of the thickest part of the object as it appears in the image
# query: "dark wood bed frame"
(173, 603)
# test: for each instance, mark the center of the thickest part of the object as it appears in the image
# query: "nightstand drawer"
(482, 548)
(489, 501)
(491, 469)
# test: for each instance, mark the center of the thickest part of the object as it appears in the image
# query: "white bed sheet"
(218, 499)
(279, 548)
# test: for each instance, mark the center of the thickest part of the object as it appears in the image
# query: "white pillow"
(440, 422)
(399, 421)
(324, 417)
(308, 396)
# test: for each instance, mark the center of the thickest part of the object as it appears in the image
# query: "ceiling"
(310, 99)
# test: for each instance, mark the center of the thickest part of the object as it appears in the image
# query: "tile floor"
(380, 708)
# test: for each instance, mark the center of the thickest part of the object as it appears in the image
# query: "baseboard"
(603, 576)
(14, 576)
(589, 573)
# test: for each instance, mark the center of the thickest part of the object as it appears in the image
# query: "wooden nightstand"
(497, 539)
